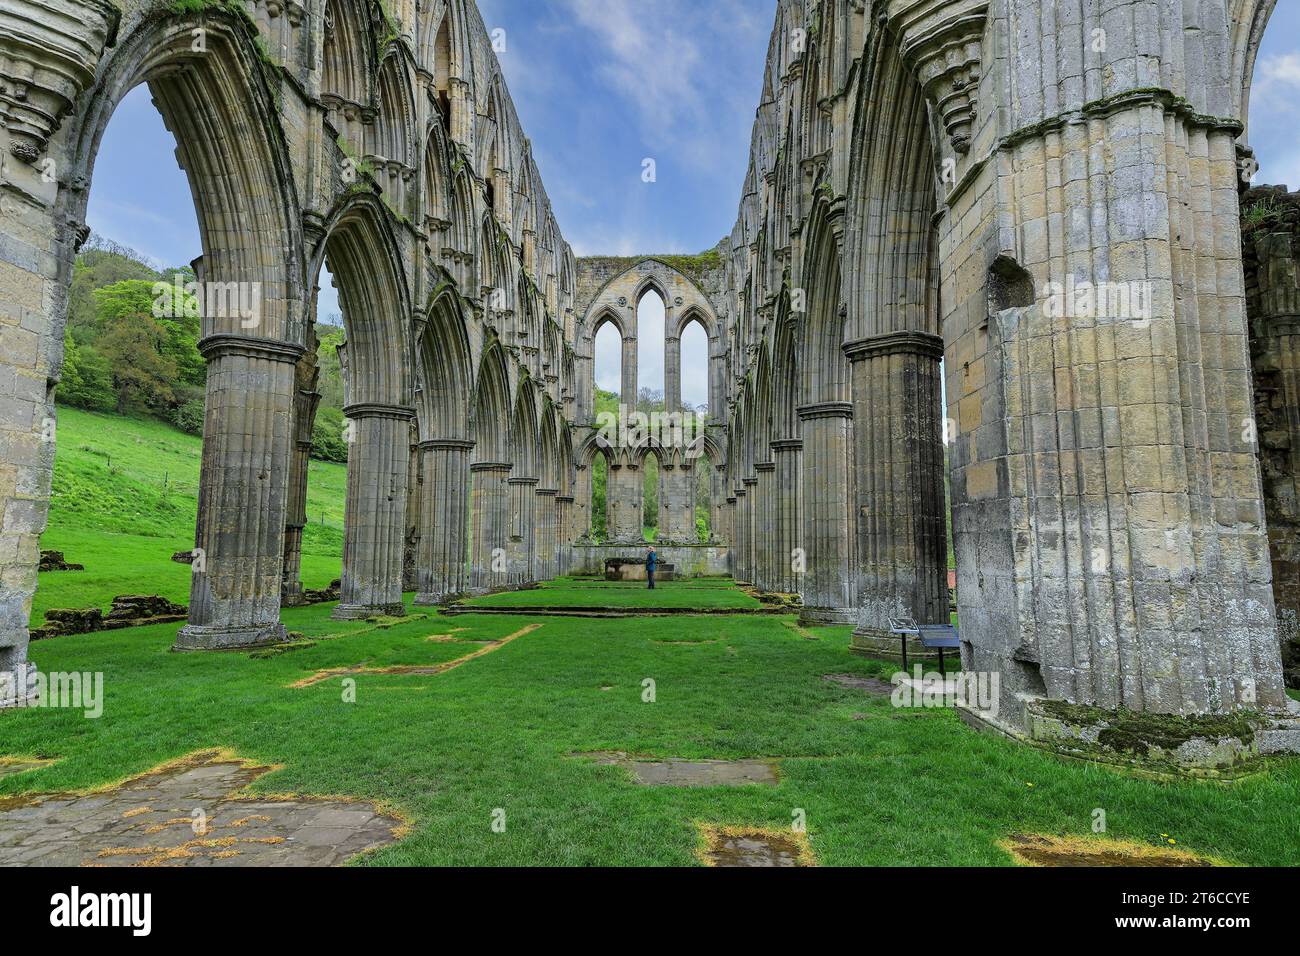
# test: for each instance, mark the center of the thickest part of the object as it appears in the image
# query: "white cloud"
(648, 60)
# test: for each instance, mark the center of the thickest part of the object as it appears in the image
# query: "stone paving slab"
(872, 685)
(12, 765)
(187, 814)
(677, 772)
(731, 846)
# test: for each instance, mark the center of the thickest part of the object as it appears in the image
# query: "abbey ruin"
(993, 245)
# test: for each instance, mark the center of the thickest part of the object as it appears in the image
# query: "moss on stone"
(1130, 731)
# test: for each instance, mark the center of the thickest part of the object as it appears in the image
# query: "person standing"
(650, 563)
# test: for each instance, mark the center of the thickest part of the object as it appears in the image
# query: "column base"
(204, 637)
(359, 612)
(294, 598)
(433, 598)
(881, 645)
(18, 689)
(1148, 744)
(828, 615)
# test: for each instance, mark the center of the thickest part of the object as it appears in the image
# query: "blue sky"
(600, 86)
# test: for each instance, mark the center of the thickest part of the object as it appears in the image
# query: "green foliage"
(328, 442)
(87, 381)
(125, 498)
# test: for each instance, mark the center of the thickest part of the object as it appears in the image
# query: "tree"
(87, 381)
(142, 374)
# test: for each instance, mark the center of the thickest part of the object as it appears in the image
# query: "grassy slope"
(879, 785)
(124, 500)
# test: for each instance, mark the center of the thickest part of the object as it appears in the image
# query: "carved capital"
(48, 54)
(945, 51)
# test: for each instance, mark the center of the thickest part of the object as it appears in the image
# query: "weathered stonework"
(925, 177)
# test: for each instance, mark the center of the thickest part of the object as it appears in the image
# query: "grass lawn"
(571, 593)
(125, 498)
(879, 785)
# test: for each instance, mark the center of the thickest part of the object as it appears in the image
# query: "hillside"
(125, 498)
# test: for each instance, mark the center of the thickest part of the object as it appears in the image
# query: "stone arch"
(223, 115)
(393, 132)
(377, 359)
(491, 410)
(347, 57)
(895, 350)
(365, 259)
(445, 363)
(1247, 21)
(491, 560)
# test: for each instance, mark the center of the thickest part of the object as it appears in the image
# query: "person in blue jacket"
(650, 563)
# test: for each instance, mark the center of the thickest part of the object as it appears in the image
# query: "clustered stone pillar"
(765, 552)
(522, 549)
(374, 536)
(564, 512)
(743, 572)
(306, 399)
(787, 454)
(444, 511)
(827, 540)
(624, 495)
(490, 518)
(547, 539)
(902, 540)
(1272, 262)
(676, 502)
(243, 490)
(729, 511)
(414, 519)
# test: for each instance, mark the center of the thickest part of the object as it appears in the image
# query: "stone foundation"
(687, 560)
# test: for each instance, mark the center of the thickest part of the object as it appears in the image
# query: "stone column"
(444, 512)
(522, 549)
(50, 51)
(624, 496)
(902, 543)
(729, 510)
(305, 402)
(489, 519)
(374, 522)
(243, 493)
(564, 512)
(414, 522)
(672, 373)
(827, 539)
(764, 553)
(787, 454)
(1272, 263)
(547, 544)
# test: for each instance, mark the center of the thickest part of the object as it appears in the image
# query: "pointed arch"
(490, 423)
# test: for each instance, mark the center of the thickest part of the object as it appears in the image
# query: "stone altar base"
(687, 560)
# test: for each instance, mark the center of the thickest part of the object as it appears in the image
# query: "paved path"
(185, 815)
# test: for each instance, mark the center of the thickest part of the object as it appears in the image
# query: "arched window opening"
(650, 497)
(695, 368)
(442, 72)
(609, 369)
(599, 498)
(703, 499)
(650, 315)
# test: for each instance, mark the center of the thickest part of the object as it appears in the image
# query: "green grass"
(571, 593)
(125, 497)
(879, 785)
